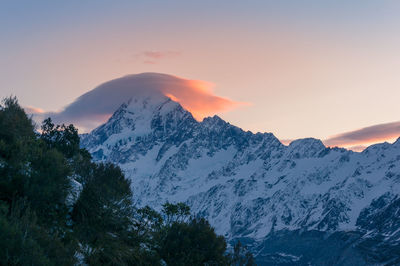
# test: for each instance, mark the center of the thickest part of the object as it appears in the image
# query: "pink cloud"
(360, 139)
(160, 54)
(366, 136)
(153, 57)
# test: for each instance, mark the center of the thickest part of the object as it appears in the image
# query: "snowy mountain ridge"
(250, 186)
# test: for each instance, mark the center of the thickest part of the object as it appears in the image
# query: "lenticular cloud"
(96, 106)
(371, 134)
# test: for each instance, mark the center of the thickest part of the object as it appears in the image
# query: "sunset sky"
(323, 69)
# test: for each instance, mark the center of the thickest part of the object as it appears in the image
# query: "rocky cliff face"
(252, 187)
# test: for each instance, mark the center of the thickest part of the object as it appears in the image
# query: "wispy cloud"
(153, 57)
(367, 135)
(159, 54)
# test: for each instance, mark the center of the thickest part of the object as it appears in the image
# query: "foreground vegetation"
(57, 207)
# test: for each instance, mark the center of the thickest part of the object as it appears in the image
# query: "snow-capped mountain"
(281, 200)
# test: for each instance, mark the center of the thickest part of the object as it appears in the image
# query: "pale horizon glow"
(307, 69)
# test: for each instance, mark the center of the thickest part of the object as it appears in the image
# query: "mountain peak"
(213, 120)
(151, 104)
(139, 114)
(307, 147)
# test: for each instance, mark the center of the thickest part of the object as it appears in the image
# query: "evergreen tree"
(102, 216)
(57, 207)
(241, 256)
(34, 184)
(17, 142)
(61, 137)
(186, 240)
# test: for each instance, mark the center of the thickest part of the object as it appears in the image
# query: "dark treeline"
(57, 207)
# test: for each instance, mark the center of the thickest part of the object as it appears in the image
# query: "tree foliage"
(192, 243)
(241, 256)
(57, 207)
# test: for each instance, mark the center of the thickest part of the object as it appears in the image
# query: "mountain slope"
(250, 186)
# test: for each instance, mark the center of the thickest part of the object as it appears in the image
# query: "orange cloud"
(96, 106)
(199, 99)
